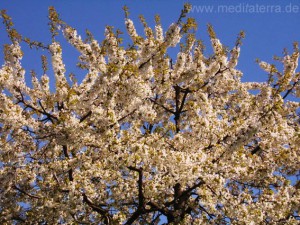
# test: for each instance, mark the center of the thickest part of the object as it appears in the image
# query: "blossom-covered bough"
(145, 139)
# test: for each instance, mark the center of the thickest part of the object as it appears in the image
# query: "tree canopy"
(146, 138)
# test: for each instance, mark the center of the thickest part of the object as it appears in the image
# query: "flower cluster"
(145, 138)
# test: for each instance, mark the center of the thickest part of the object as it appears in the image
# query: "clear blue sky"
(270, 26)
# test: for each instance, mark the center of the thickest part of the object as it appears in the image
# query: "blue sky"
(270, 26)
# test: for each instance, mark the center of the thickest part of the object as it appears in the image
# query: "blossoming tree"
(145, 139)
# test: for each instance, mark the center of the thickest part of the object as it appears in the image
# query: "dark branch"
(165, 108)
(26, 193)
(291, 89)
(66, 154)
(85, 116)
(141, 204)
(43, 111)
(102, 212)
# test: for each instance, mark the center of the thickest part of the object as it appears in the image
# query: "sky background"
(270, 26)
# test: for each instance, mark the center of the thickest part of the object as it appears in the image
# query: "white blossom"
(140, 135)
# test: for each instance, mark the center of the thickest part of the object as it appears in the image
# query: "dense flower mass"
(144, 138)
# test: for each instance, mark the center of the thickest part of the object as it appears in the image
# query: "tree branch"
(141, 204)
(26, 193)
(102, 212)
(66, 154)
(291, 89)
(165, 108)
(85, 116)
